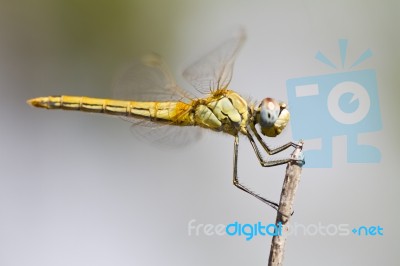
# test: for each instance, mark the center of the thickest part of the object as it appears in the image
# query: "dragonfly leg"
(241, 186)
(268, 149)
(270, 163)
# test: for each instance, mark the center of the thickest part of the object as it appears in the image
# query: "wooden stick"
(285, 210)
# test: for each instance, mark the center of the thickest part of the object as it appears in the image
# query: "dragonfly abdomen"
(173, 112)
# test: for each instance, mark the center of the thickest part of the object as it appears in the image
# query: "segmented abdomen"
(175, 112)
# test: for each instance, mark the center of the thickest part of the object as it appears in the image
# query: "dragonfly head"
(272, 117)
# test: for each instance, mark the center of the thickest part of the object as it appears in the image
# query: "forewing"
(214, 71)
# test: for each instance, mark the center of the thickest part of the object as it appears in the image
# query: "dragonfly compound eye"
(269, 112)
(273, 117)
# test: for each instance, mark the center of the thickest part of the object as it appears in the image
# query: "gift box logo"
(337, 104)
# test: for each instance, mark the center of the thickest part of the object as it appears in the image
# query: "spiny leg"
(261, 159)
(265, 146)
(265, 163)
(241, 186)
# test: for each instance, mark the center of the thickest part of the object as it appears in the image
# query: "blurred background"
(80, 189)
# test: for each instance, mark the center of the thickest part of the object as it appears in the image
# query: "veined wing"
(149, 79)
(214, 71)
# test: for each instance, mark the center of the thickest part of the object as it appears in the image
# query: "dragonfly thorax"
(226, 112)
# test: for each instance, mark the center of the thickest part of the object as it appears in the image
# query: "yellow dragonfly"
(158, 102)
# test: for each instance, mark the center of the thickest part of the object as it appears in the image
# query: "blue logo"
(337, 104)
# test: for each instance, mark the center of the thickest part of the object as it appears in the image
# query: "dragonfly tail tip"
(36, 102)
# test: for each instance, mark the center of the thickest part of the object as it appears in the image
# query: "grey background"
(79, 189)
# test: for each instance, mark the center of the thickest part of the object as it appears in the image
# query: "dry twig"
(285, 210)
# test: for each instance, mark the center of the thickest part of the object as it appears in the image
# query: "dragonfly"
(152, 100)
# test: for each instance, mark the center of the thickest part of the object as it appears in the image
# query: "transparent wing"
(214, 71)
(149, 79)
(165, 135)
